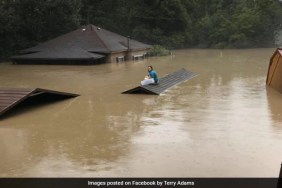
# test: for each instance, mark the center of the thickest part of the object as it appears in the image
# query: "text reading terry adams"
(144, 183)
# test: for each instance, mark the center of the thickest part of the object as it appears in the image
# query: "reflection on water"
(223, 123)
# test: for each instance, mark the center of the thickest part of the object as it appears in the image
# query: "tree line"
(170, 23)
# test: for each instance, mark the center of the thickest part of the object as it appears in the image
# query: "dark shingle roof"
(58, 53)
(87, 42)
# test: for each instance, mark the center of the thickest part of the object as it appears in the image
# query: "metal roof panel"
(165, 83)
(11, 97)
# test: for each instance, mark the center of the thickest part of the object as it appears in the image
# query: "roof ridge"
(94, 30)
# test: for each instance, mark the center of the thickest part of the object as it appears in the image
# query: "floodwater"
(223, 123)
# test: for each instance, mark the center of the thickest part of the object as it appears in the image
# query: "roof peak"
(91, 27)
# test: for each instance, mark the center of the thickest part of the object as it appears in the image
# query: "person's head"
(150, 68)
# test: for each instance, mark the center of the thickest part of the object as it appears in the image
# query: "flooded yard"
(223, 123)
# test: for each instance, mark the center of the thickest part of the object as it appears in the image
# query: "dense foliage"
(170, 23)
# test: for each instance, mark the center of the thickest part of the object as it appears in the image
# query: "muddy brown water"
(223, 123)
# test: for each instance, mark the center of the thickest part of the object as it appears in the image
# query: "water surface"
(223, 123)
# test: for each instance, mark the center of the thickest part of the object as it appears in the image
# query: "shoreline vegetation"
(171, 24)
(159, 50)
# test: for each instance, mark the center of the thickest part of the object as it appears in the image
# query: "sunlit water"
(223, 123)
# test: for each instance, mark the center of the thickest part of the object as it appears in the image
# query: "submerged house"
(274, 75)
(87, 45)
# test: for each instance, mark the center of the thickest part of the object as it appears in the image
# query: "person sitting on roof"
(151, 78)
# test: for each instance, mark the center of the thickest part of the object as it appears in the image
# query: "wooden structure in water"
(274, 75)
(12, 97)
(164, 83)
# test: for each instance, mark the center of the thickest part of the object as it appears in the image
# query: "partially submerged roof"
(87, 42)
(164, 83)
(58, 53)
(274, 74)
(11, 97)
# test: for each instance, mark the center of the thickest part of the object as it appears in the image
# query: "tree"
(27, 22)
(9, 24)
(171, 23)
(45, 19)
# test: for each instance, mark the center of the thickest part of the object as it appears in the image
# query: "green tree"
(44, 19)
(26, 22)
(9, 24)
(171, 23)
